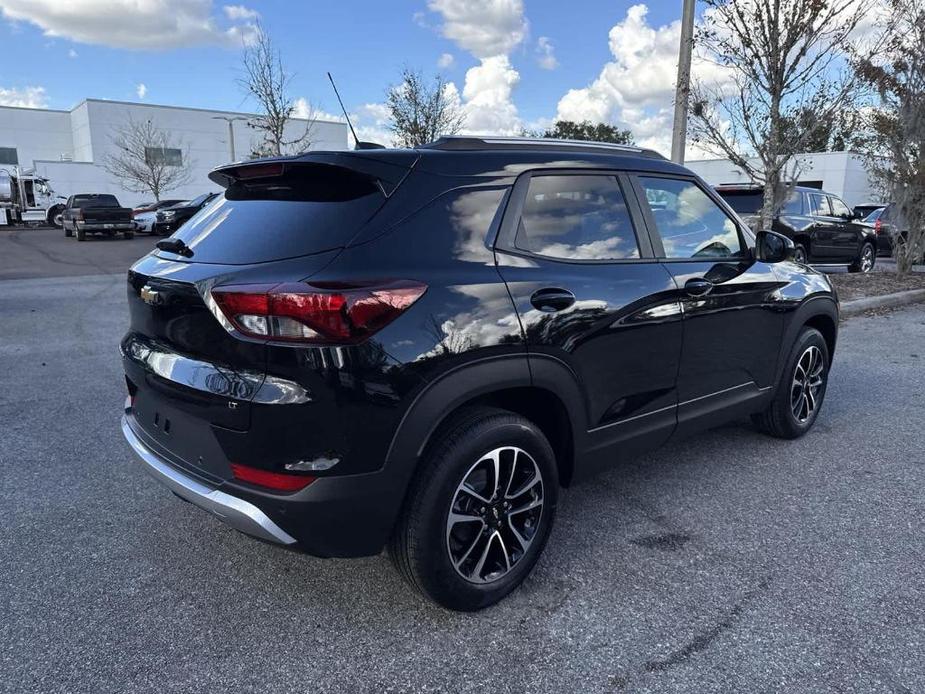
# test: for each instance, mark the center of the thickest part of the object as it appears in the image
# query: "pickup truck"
(96, 213)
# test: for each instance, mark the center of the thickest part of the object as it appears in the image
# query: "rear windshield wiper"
(175, 246)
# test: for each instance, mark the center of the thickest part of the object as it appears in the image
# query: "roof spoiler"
(387, 174)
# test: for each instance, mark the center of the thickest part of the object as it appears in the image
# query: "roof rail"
(468, 142)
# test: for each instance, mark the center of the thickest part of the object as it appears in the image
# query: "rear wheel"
(801, 389)
(480, 511)
(865, 260)
(799, 254)
(68, 232)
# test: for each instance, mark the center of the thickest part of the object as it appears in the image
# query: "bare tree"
(897, 126)
(422, 112)
(266, 82)
(784, 58)
(148, 159)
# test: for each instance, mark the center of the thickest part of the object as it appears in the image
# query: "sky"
(512, 64)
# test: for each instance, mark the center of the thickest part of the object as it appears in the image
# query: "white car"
(144, 217)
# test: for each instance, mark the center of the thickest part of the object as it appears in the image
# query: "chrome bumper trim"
(236, 512)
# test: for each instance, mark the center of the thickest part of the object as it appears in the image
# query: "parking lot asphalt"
(44, 252)
(725, 562)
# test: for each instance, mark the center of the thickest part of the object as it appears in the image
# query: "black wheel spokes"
(807, 382)
(494, 515)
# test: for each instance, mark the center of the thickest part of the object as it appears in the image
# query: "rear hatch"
(192, 380)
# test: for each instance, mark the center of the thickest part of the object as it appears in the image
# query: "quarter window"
(690, 223)
(577, 218)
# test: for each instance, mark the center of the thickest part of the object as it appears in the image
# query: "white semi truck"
(28, 199)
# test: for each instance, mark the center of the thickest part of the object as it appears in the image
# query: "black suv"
(171, 218)
(824, 230)
(418, 348)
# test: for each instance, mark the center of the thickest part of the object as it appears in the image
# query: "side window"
(839, 208)
(819, 205)
(576, 217)
(690, 224)
(794, 203)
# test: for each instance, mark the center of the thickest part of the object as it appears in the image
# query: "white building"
(67, 147)
(840, 173)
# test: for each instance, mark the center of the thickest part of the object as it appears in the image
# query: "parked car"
(822, 227)
(169, 219)
(146, 217)
(889, 227)
(884, 238)
(96, 213)
(864, 209)
(418, 348)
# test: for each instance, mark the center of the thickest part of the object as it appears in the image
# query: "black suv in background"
(171, 218)
(824, 230)
(418, 348)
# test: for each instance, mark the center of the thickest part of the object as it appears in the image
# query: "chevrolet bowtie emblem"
(151, 296)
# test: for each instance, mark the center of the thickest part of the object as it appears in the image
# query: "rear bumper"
(338, 516)
(106, 226)
(236, 512)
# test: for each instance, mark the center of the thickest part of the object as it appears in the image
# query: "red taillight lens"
(329, 313)
(271, 480)
(878, 225)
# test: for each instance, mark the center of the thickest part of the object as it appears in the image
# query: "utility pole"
(230, 120)
(683, 90)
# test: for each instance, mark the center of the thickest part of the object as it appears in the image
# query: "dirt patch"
(858, 286)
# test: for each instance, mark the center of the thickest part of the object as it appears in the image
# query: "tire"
(866, 259)
(427, 549)
(799, 254)
(128, 234)
(54, 217)
(81, 234)
(784, 417)
(68, 232)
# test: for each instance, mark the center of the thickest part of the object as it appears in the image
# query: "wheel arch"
(548, 399)
(819, 312)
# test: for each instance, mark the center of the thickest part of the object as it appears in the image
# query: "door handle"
(698, 286)
(552, 299)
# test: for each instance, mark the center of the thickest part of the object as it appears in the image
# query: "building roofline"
(801, 154)
(33, 108)
(142, 103)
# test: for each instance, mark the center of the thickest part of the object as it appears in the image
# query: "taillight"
(271, 480)
(321, 313)
(878, 225)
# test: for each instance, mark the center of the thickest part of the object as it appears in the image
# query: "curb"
(853, 308)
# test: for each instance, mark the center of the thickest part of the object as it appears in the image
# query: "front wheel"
(54, 217)
(865, 260)
(799, 254)
(801, 389)
(128, 234)
(81, 234)
(479, 512)
(68, 232)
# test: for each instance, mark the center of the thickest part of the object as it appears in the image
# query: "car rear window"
(743, 201)
(313, 208)
(95, 201)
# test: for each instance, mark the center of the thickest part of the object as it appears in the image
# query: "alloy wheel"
(867, 258)
(807, 382)
(495, 514)
(799, 256)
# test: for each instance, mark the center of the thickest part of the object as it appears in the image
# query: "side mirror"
(772, 247)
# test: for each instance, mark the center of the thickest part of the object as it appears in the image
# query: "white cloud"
(485, 28)
(26, 97)
(546, 54)
(141, 89)
(445, 61)
(636, 89)
(488, 104)
(72, 53)
(132, 24)
(238, 12)
(489, 30)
